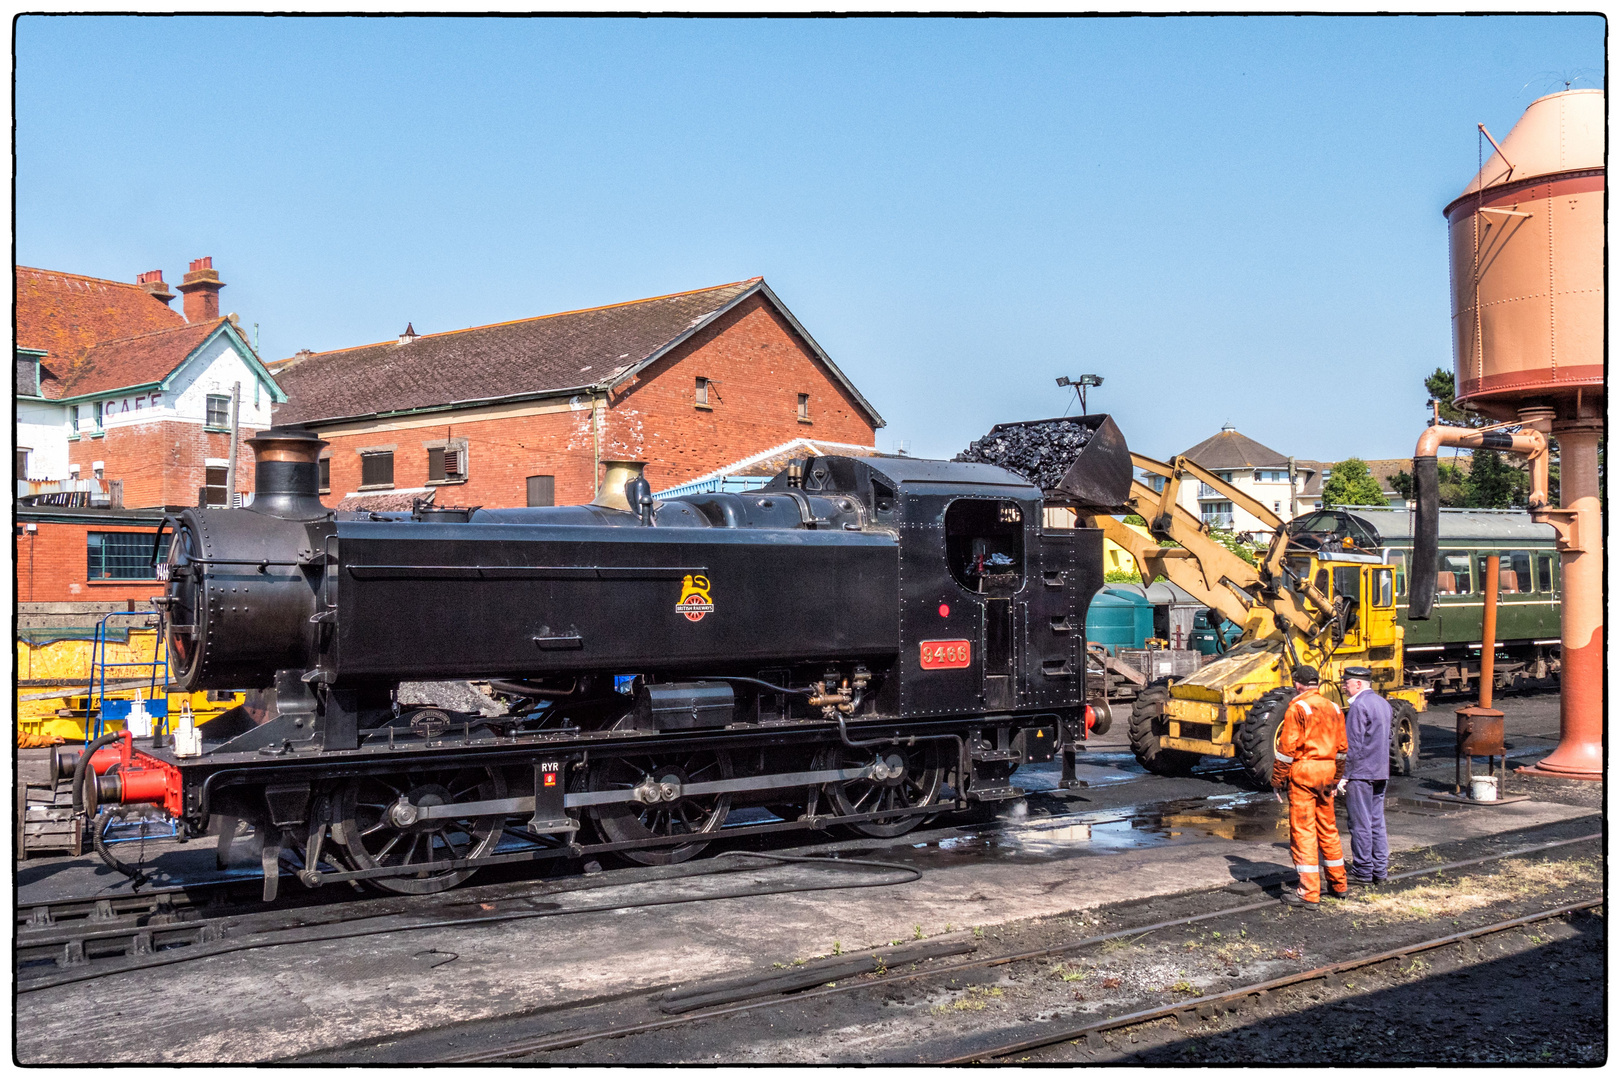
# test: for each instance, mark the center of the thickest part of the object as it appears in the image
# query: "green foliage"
(1453, 485)
(1136, 519)
(1352, 484)
(1402, 483)
(1442, 387)
(1494, 482)
(1122, 577)
(1238, 546)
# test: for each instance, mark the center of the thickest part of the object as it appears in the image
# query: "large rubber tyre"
(1145, 713)
(1257, 736)
(1404, 741)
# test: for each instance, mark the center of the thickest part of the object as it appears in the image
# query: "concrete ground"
(1128, 836)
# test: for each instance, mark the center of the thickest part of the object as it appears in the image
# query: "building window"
(73, 420)
(377, 469)
(214, 489)
(447, 464)
(542, 491)
(120, 556)
(326, 475)
(1218, 514)
(101, 411)
(219, 411)
(804, 407)
(22, 463)
(703, 393)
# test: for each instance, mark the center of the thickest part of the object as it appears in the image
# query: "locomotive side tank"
(862, 642)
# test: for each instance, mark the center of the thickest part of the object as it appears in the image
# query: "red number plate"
(946, 654)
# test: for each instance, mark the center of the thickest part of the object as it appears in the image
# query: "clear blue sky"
(1230, 219)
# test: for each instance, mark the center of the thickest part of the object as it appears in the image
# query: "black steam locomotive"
(862, 642)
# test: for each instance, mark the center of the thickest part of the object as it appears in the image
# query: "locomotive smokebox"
(287, 474)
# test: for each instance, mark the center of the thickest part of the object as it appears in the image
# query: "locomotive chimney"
(286, 473)
(611, 494)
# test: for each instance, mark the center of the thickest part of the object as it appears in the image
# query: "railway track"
(135, 933)
(768, 996)
(1192, 1006)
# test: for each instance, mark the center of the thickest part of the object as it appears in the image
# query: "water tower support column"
(1579, 755)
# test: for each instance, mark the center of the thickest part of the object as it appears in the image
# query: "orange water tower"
(1527, 311)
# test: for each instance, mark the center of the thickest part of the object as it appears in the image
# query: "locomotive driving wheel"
(664, 774)
(382, 825)
(906, 778)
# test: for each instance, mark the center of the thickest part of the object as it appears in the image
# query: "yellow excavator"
(1323, 594)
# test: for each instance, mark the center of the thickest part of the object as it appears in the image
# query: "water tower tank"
(1527, 265)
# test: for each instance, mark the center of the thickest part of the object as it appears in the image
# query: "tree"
(1401, 482)
(1352, 484)
(1494, 482)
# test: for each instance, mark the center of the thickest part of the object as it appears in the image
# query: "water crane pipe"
(1528, 442)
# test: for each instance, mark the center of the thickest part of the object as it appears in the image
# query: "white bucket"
(1483, 789)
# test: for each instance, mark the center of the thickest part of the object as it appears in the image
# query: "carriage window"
(1544, 573)
(984, 544)
(1383, 588)
(1455, 578)
(1398, 558)
(1519, 563)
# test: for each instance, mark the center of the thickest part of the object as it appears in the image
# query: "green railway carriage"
(1443, 652)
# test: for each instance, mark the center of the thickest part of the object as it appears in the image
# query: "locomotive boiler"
(863, 642)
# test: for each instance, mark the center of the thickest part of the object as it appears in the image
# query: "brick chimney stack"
(201, 288)
(152, 281)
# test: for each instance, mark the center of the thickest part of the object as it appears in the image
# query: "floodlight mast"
(1080, 385)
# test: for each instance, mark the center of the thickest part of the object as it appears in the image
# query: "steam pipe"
(1527, 442)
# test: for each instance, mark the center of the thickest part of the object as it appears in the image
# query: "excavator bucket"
(1082, 459)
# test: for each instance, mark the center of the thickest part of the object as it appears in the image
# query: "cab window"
(1347, 582)
(1383, 587)
(1398, 558)
(984, 544)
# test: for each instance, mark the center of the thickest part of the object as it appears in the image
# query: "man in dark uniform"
(1366, 721)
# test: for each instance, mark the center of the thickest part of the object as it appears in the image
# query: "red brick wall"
(502, 454)
(52, 564)
(161, 463)
(758, 365)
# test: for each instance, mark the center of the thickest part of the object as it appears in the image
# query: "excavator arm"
(1206, 569)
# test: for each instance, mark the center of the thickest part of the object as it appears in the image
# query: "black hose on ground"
(1425, 569)
(136, 876)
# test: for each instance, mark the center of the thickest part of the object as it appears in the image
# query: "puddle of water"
(1243, 816)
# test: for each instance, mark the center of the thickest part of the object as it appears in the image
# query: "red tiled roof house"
(113, 384)
(523, 413)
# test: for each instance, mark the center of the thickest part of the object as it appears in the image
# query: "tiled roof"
(65, 314)
(1230, 449)
(1384, 468)
(530, 356)
(134, 361)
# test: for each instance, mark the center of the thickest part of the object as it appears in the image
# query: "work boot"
(1363, 879)
(1340, 894)
(1293, 899)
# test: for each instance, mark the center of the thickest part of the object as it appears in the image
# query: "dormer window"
(702, 393)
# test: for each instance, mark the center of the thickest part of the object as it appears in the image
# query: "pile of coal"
(1040, 453)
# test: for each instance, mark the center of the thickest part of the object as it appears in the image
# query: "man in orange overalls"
(1311, 750)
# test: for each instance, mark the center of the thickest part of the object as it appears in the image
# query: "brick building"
(83, 554)
(523, 413)
(114, 385)
(121, 403)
